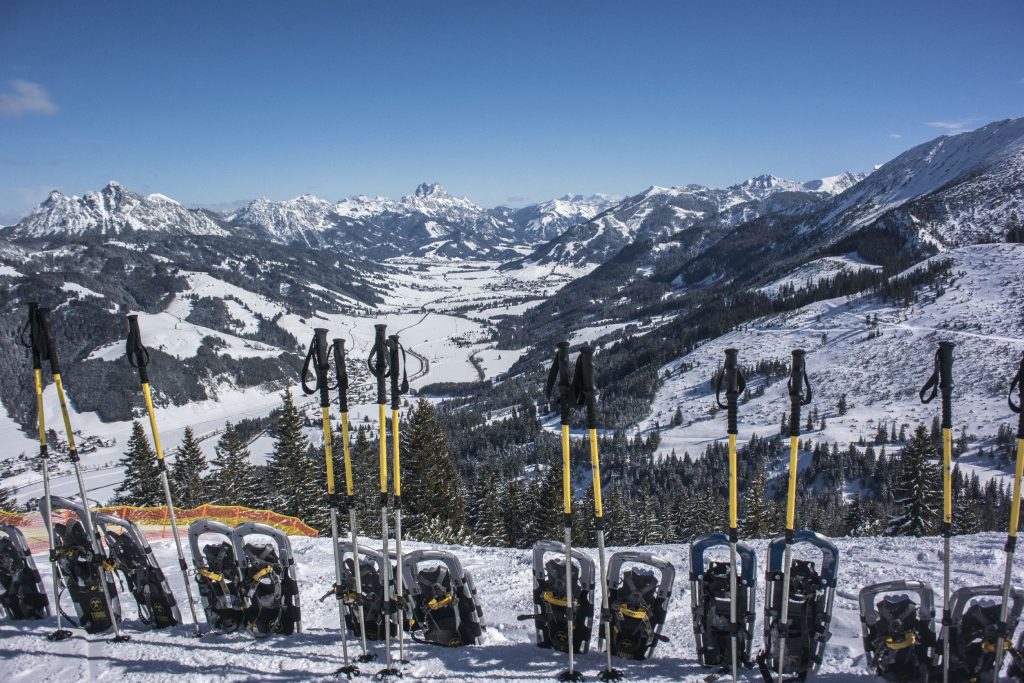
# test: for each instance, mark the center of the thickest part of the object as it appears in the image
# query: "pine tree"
(292, 473)
(856, 517)
(546, 497)
(759, 519)
(233, 480)
(516, 513)
(366, 479)
(187, 473)
(432, 490)
(917, 495)
(648, 528)
(841, 404)
(7, 501)
(490, 529)
(141, 484)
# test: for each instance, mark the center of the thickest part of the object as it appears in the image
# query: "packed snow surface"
(503, 579)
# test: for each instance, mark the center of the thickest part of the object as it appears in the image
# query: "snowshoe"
(22, 595)
(637, 603)
(371, 575)
(81, 571)
(443, 598)
(811, 597)
(550, 608)
(269, 584)
(974, 631)
(710, 601)
(129, 551)
(899, 633)
(217, 576)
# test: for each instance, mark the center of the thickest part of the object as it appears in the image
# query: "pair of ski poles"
(581, 390)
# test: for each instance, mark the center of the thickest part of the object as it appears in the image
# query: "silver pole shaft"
(568, 597)
(48, 523)
(387, 583)
(604, 598)
(358, 574)
(181, 552)
(784, 618)
(733, 620)
(945, 609)
(400, 585)
(1004, 611)
(337, 583)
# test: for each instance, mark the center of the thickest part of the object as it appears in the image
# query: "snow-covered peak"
(430, 189)
(432, 199)
(835, 184)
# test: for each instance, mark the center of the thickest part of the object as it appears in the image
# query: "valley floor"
(503, 579)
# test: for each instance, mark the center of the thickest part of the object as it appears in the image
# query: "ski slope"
(503, 579)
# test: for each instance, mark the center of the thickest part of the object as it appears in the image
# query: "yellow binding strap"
(909, 640)
(438, 604)
(632, 613)
(549, 597)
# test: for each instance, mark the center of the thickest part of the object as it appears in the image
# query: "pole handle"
(341, 373)
(138, 354)
(35, 340)
(395, 362)
(46, 331)
(1018, 384)
(377, 362)
(799, 390)
(941, 380)
(735, 384)
(583, 384)
(560, 371)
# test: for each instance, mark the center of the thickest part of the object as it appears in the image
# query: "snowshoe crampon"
(811, 597)
(130, 552)
(269, 583)
(638, 601)
(974, 631)
(217, 576)
(22, 595)
(710, 601)
(82, 570)
(443, 598)
(551, 611)
(899, 629)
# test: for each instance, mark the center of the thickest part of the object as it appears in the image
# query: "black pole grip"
(732, 388)
(322, 365)
(35, 338)
(797, 378)
(378, 362)
(138, 357)
(1018, 384)
(43, 315)
(945, 361)
(341, 372)
(394, 362)
(564, 382)
(583, 384)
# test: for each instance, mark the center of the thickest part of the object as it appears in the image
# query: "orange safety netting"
(156, 524)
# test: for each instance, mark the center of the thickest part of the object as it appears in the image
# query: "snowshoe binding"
(899, 632)
(811, 597)
(269, 584)
(82, 570)
(217, 576)
(710, 601)
(371, 576)
(550, 608)
(974, 631)
(22, 595)
(442, 598)
(130, 552)
(637, 603)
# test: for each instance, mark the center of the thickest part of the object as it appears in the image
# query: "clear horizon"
(215, 104)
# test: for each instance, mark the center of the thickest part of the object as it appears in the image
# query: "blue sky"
(215, 102)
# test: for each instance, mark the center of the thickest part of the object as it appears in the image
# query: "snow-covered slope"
(548, 220)
(508, 652)
(114, 210)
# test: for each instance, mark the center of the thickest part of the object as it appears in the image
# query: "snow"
(79, 289)
(814, 272)
(508, 652)
(7, 271)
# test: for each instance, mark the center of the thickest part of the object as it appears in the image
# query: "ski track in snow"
(504, 582)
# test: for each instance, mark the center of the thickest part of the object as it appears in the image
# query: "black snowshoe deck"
(268, 582)
(22, 594)
(899, 631)
(710, 602)
(551, 609)
(638, 602)
(217, 576)
(443, 599)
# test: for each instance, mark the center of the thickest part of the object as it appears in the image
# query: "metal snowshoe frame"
(545, 602)
(158, 610)
(886, 644)
(285, 583)
(95, 616)
(373, 600)
(806, 642)
(24, 595)
(220, 595)
(622, 607)
(706, 629)
(460, 598)
(972, 640)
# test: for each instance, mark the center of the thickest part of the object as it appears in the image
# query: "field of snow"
(508, 653)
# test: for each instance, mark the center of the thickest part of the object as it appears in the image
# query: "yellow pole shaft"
(1017, 474)
(152, 422)
(345, 453)
(595, 468)
(325, 419)
(41, 414)
(64, 412)
(383, 448)
(566, 484)
(396, 462)
(733, 500)
(947, 475)
(794, 451)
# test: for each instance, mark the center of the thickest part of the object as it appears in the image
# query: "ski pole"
(1011, 537)
(43, 315)
(942, 379)
(560, 372)
(397, 389)
(138, 357)
(734, 386)
(36, 343)
(318, 360)
(583, 386)
(378, 366)
(798, 381)
(341, 372)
